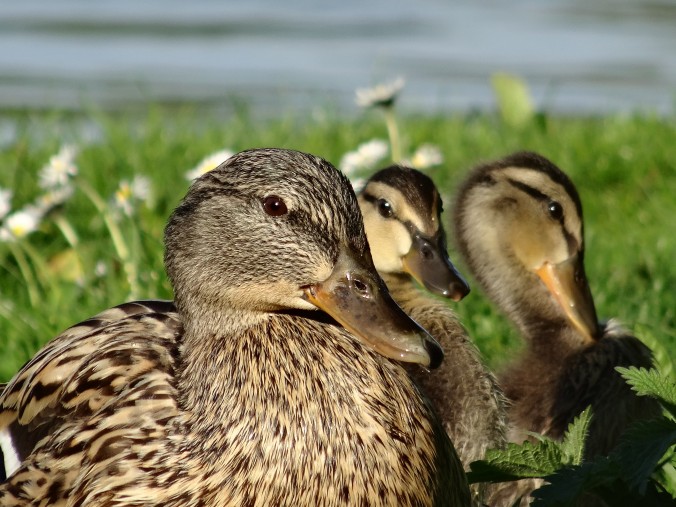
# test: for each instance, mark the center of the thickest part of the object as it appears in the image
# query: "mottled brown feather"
(230, 398)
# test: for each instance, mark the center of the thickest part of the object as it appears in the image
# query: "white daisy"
(426, 156)
(54, 197)
(208, 163)
(366, 156)
(131, 192)
(382, 95)
(59, 170)
(357, 184)
(140, 187)
(21, 223)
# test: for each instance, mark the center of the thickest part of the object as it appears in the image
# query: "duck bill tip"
(358, 300)
(428, 263)
(569, 287)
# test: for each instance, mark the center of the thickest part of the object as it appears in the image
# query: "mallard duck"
(402, 216)
(518, 223)
(239, 392)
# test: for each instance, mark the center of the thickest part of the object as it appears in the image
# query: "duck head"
(402, 216)
(272, 230)
(519, 225)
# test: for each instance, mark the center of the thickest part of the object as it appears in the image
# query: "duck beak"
(356, 297)
(568, 284)
(427, 261)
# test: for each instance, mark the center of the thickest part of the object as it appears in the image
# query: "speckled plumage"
(464, 392)
(511, 218)
(238, 394)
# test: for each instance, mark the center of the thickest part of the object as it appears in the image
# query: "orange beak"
(568, 284)
(356, 297)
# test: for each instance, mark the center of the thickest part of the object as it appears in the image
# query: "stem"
(40, 266)
(26, 272)
(124, 254)
(72, 239)
(67, 230)
(118, 241)
(393, 133)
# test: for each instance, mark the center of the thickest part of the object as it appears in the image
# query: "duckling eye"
(555, 210)
(385, 208)
(274, 206)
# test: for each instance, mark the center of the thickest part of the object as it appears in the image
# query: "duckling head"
(402, 217)
(518, 222)
(272, 230)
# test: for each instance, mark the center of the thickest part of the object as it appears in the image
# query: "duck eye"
(555, 210)
(385, 208)
(274, 206)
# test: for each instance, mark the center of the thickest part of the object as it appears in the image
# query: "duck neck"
(405, 291)
(400, 285)
(212, 357)
(552, 340)
(529, 305)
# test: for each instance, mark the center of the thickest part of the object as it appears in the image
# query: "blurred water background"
(578, 56)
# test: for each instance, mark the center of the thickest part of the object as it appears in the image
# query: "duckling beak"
(568, 284)
(356, 297)
(427, 261)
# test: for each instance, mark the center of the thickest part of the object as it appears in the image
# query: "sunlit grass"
(92, 252)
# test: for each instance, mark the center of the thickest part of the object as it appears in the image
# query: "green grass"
(624, 167)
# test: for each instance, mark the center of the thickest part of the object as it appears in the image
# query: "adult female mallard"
(402, 217)
(518, 223)
(241, 394)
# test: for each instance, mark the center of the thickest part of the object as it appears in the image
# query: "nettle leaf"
(642, 448)
(517, 462)
(594, 481)
(651, 383)
(573, 443)
(565, 487)
(534, 459)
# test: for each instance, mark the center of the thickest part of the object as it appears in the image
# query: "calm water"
(577, 55)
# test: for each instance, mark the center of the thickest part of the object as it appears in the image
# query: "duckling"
(402, 216)
(239, 392)
(518, 223)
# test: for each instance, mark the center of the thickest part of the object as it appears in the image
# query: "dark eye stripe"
(377, 201)
(533, 192)
(536, 194)
(553, 207)
(369, 197)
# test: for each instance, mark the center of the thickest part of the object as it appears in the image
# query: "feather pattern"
(236, 393)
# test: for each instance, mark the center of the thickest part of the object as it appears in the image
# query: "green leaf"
(514, 100)
(642, 448)
(665, 476)
(573, 443)
(651, 383)
(517, 462)
(565, 486)
(533, 459)
(599, 479)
